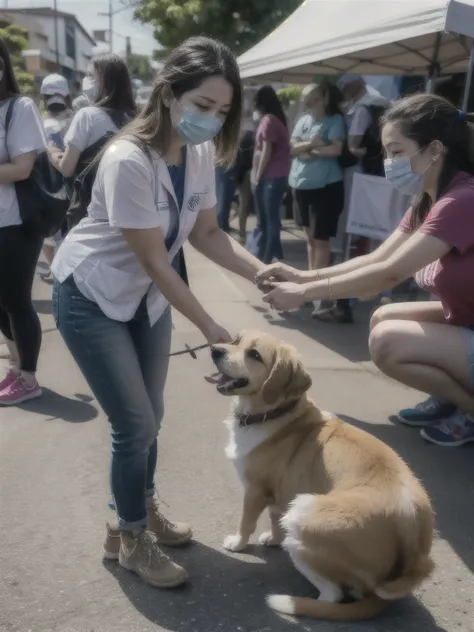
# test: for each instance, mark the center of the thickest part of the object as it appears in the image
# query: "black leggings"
(19, 252)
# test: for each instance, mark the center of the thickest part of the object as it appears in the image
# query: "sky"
(86, 11)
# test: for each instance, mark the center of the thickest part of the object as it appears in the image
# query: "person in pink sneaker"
(23, 138)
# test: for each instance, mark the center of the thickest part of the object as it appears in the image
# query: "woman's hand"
(216, 334)
(279, 272)
(285, 297)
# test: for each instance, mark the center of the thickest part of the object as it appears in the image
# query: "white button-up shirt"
(131, 192)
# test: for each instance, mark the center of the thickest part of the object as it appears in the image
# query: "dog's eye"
(254, 354)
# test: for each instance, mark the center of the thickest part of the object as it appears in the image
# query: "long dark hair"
(115, 86)
(8, 84)
(267, 102)
(425, 118)
(187, 66)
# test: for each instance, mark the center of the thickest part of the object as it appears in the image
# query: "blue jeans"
(268, 196)
(125, 365)
(226, 185)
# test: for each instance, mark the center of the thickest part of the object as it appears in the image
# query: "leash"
(190, 350)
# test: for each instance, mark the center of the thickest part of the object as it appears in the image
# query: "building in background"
(69, 57)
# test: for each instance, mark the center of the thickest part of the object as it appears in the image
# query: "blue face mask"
(401, 176)
(196, 128)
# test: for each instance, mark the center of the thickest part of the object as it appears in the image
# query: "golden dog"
(348, 510)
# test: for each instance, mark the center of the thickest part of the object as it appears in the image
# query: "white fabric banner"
(375, 207)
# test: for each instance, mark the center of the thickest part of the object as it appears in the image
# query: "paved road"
(53, 491)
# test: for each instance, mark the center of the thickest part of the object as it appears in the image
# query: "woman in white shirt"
(116, 273)
(19, 248)
(109, 90)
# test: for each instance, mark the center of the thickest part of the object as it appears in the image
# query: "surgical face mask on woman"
(399, 172)
(90, 88)
(196, 127)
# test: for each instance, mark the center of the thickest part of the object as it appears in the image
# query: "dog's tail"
(302, 606)
(414, 563)
(414, 574)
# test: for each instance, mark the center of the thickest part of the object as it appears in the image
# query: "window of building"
(70, 40)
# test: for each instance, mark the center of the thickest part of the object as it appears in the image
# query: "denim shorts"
(468, 333)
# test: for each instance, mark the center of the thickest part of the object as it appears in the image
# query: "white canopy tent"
(378, 37)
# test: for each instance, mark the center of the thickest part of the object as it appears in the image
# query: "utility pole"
(110, 15)
(111, 32)
(56, 38)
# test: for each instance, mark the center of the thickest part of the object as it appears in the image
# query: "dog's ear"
(288, 378)
(300, 380)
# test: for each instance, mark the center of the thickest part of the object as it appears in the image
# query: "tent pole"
(434, 68)
(468, 86)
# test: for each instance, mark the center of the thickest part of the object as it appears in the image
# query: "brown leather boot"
(142, 555)
(167, 532)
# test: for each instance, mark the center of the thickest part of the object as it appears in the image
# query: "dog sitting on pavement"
(352, 516)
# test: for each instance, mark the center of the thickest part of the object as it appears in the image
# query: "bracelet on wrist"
(329, 289)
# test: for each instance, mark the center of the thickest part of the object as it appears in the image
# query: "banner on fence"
(375, 207)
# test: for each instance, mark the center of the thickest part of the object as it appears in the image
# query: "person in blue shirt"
(316, 175)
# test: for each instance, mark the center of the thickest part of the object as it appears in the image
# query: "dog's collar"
(258, 418)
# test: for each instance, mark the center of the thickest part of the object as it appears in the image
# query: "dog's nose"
(217, 353)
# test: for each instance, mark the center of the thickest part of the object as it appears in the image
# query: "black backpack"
(86, 171)
(372, 161)
(42, 198)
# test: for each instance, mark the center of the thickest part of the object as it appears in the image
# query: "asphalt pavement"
(54, 457)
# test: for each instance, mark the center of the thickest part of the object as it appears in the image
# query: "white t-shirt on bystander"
(87, 126)
(25, 134)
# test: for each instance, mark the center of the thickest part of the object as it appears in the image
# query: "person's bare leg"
(310, 247)
(245, 197)
(427, 356)
(322, 254)
(14, 359)
(422, 312)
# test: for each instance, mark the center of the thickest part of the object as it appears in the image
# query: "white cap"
(55, 84)
(346, 80)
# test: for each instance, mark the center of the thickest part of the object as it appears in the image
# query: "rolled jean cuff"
(132, 526)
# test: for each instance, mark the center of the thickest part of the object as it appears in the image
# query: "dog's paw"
(234, 543)
(267, 539)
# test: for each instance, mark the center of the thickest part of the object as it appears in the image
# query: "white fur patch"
(281, 603)
(407, 502)
(299, 508)
(234, 543)
(243, 440)
(290, 522)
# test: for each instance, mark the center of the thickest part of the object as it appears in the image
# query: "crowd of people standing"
(152, 174)
(335, 136)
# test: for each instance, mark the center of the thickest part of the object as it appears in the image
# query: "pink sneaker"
(19, 392)
(9, 378)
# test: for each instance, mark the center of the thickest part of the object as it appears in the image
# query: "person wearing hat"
(57, 101)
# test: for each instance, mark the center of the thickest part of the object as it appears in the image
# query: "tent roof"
(378, 37)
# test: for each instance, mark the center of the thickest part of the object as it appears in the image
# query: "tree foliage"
(140, 67)
(289, 95)
(238, 23)
(16, 40)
